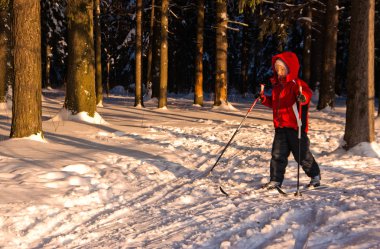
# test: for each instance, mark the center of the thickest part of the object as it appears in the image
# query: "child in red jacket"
(287, 93)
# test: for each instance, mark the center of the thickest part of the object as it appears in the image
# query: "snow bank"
(226, 106)
(366, 150)
(65, 115)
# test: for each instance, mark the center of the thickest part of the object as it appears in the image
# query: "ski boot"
(271, 185)
(314, 182)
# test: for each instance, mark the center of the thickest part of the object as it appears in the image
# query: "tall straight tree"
(198, 93)
(156, 48)
(306, 55)
(360, 78)
(317, 46)
(221, 53)
(164, 54)
(244, 54)
(26, 34)
(4, 48)
(48, 56)
(98, 55)
(327, 87)
(149, 82)
(46, 48)
(80, 89)
(138, 86)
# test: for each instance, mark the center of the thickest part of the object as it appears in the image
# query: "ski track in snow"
(118, 201)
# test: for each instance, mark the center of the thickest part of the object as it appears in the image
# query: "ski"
(263, 192)
(281, 191)
(234, 193)
(292, 191)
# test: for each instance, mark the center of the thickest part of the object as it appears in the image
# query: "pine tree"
(54, 42)
(306, 56)
(221, 53)
(26, 37)
(377, 55)
(156, 48)
(317, 46)
(198, 92)
(360, 85)
(4, 48)
(327, 87)
(138, 73)
(164, 54)
(80, 93)
(149, 70)
(98, 55)
(244, 55)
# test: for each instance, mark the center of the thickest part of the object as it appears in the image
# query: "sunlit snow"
(137, 178)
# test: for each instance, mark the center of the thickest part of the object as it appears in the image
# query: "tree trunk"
(108, 75)
(48, 65)
(317, 48)
(244, 57)
(307, 47)
(4, 51)
(156, 47)
(164, 54)
(221, 53)
(138, 85)
(98, 55)
(150, 50)
(327, 87)
(26, 110)
(360, 80)
(80, 93)
(198, 91)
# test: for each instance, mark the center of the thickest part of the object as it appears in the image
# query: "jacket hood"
(291, 61)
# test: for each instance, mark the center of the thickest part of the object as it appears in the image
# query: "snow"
(118, 90)
(366, 149)
(100, 104)
(225, 106)
(65, 114)
(37, 137)
(139, 180)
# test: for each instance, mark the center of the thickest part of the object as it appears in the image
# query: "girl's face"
(281, 71)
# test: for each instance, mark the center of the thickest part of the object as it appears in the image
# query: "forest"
(156, 47)
(118, 121)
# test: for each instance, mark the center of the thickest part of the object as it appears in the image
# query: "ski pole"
(241, 123)
(298, 193)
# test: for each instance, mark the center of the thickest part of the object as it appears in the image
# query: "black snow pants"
(286, 141)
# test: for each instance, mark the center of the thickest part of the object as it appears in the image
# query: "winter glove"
(301, 98)
(260, 96)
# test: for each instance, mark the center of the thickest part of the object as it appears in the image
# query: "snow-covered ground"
(138, 181)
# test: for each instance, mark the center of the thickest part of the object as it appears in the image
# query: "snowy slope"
(140, 181)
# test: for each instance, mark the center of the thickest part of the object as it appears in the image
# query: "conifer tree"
(149, 70)
(4, 48)
(198, 92)
(80, 90)
(138, 73)
(164, 54)
(327, 87)
(98, 54)
(360, 85)
(221, 53)
(26, 38)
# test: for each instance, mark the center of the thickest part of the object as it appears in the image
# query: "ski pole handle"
(262, 86)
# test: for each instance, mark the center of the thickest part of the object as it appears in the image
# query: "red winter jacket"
(284, 94)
